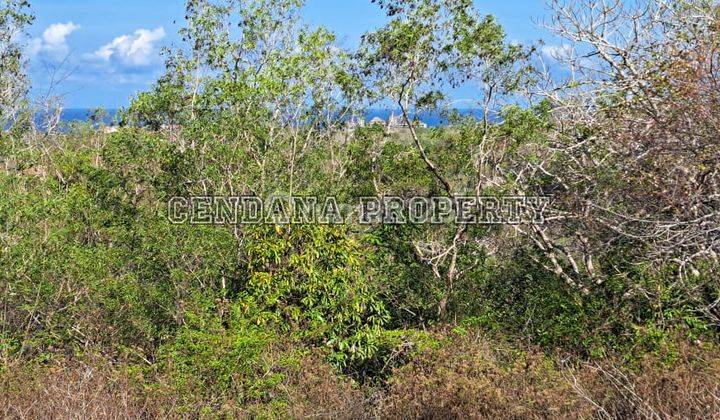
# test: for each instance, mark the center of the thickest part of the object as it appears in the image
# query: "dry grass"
(316, 391)
(69, 391)
(474, 378)
(471, 378)
(688, 389)
(75, 390)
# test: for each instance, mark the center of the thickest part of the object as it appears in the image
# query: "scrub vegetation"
(609, 309)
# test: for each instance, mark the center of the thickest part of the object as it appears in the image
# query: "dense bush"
(608, 308)
(468, 375)
(522, 300)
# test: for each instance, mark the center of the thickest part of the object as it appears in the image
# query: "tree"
(632, 157)
(15, 17)
(266, 89)
(427, 47)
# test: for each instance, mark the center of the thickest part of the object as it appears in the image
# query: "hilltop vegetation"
(610, 308)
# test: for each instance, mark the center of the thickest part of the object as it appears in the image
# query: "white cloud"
(136, 50)
(53, 40)
(55, 34)
(557, 52)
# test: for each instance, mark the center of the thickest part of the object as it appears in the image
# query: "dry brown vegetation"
(468, 377)
(111, 309)
(69, 390)
(98, 389)
(687, 389)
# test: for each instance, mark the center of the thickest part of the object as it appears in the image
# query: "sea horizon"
(432, 119)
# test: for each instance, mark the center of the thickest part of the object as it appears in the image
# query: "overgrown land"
(610, 308)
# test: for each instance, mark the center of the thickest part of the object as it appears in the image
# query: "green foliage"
(383, 164)
(429, 45)
(15, 17)
(216, 363)
(226, 316)
(136, 276)
(90, 256)
(523, 301)
(310, 281)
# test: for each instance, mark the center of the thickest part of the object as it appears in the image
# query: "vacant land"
(609, 307)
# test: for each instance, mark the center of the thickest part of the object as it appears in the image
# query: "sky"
(101, 53)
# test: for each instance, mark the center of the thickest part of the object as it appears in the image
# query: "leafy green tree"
(259, 92)
(15, 17)
(427, 47)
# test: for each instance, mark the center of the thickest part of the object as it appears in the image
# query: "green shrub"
(310, 281)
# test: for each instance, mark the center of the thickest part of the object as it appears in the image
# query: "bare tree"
(633, 159)
(14, 18)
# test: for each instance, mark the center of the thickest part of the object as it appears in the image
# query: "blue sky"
(103, 52)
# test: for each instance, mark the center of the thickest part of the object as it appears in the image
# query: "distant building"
(394, 123)
(354, 123)
(397, 122)
(377, 121)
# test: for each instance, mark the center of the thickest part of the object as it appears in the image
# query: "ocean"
(432, 119)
